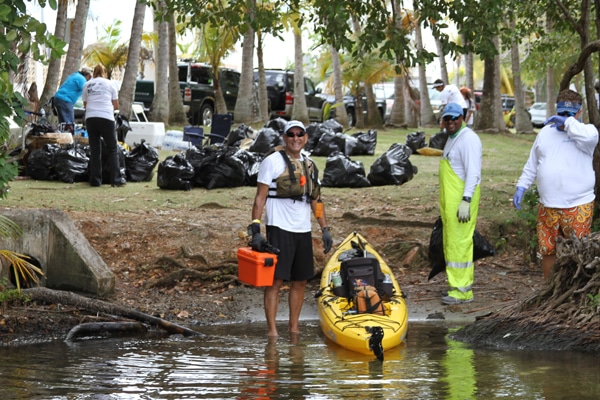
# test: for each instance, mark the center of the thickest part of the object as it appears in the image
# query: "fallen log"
(99, 306)
(102, 328)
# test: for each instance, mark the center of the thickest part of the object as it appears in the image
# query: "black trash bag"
(277, 124)
(392, 167)
(123, 127)
(71, 164)
(332, 125)
(40, 163)
(251, 166)
(237, 135)
(140, 162)
(340, 171)
(330, 143)
(39, 129)
(481, 248)
(365, 145)
(416, 140)
(314, 131)
(106, 173)
(438, 141)
(216, 167)
(266, 139)
(175, 173)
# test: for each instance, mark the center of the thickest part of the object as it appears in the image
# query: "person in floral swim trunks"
(561, 162)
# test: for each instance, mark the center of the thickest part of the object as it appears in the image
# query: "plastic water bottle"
(336, 279)
(387, 278)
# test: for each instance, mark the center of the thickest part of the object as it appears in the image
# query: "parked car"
(196, 86)
(280, 90)
(538, 114)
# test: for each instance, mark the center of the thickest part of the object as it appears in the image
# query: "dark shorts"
(295, 261)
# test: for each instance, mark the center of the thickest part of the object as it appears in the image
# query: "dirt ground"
(180, 265)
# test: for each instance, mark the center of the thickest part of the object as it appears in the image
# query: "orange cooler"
(256, 268)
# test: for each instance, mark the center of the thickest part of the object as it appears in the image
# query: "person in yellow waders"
(460, 176)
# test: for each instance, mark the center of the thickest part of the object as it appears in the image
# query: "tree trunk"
(244, 105)
(426, 112)
(73, 61)
(398, 113)
(374, 118)
(160, 104)
(53, 75)
(442, 58)
(263, 98)
(522, 120)
(491, 101)
(176, 114)
(299, 109)
(550, 85)
(126, 93)
(411, 107)
(338, 88)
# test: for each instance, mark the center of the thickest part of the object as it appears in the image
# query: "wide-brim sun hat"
(293, 123)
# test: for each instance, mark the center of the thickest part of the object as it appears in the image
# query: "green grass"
(503, 158)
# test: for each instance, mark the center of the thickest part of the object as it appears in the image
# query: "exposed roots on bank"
(562, 315)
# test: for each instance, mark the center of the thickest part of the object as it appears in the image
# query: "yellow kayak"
(360, 304)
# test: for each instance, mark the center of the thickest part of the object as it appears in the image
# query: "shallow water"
(238, 362)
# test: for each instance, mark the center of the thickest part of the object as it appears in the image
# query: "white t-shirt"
(99, 93)
(464, 153)
(287, 214)
(562, 164)
(451, 94)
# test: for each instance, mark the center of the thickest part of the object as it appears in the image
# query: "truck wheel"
(206, 115)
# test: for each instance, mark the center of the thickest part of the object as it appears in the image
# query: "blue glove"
(557, 121)
(327, 240)
(518, 197)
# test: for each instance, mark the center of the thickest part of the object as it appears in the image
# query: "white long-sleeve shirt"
(562, 164)
(464, 154)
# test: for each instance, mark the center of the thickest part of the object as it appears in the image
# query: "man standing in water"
(288, 185)
(460, 176)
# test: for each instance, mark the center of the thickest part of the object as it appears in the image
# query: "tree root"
(563, 314)
(103, 328)
(99, 306)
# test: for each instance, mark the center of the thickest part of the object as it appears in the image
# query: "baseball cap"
(438, 83)
(453, 109)
(292, 124)
(86, 71)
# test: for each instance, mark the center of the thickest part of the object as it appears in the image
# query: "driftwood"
(100, 306)
(562, 315)
(102, 328)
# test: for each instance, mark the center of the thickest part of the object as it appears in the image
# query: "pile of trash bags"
(70, 163)
(236, 161)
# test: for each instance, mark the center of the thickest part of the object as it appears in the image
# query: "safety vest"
(299, 180)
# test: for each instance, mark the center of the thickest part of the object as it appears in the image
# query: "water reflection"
(238, 362)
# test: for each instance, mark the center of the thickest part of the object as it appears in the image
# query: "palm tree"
(176, 114)
(108, 51)
(160, 105)
(299, 109)
(73, 60)
(244, 106)
(126, 92)
(53, 75)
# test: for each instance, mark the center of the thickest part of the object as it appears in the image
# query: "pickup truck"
(197, 90)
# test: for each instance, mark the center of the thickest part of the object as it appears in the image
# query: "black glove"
(258, 242)
(327, 240)
(253, 229)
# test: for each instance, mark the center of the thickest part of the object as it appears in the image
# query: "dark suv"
(280, 89)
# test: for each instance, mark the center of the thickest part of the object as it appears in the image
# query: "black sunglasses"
(292, 134)
(451, 118)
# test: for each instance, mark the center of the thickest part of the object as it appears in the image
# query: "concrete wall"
(68, 260)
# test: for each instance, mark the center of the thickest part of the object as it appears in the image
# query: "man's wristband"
(467, 199)
(256, 221)
(325, 228)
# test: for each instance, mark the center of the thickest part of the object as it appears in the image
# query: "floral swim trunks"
(554, 222)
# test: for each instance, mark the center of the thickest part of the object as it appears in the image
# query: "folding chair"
(137, 113)
(219, 129)
(194, 135)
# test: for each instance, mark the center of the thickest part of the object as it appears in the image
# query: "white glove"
(464, 211)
